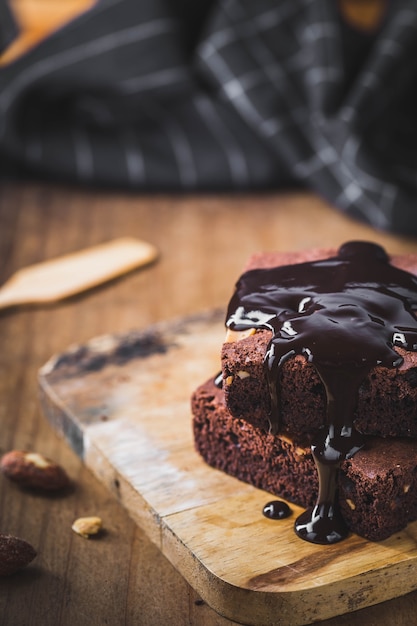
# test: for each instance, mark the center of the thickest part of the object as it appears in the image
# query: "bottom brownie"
(377, 487)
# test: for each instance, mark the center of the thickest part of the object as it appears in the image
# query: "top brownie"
(387, 397)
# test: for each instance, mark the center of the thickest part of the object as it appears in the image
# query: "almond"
(33, 470)
(15, 553)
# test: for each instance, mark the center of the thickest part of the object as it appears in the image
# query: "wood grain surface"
(123, 404)
(121, 577)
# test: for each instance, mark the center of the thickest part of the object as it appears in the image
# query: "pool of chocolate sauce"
(345, 315)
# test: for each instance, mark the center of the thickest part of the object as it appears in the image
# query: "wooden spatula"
(70, 274)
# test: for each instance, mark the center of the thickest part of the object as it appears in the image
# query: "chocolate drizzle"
(345, 315)
(276, 509)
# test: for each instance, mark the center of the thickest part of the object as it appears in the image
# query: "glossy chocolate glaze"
(276, 509)
(345, 315)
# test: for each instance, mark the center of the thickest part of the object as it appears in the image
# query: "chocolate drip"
(276, 509)
(345, 315)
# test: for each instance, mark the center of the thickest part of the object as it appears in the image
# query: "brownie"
(377, 486)
(344, 317)
(387, 397)
(276, 464)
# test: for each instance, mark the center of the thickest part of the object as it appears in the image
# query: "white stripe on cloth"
(234, 154)
(161, 78)
(83, 154)
(181, 146)
(135, 163)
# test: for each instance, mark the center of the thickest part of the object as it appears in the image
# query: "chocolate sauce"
(345, 315)
(276, 509)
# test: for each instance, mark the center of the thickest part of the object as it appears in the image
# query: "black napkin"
(222, 95)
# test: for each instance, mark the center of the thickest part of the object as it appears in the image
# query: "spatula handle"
(70, 274)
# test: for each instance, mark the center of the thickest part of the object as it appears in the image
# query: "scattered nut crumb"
(229, 380)
(87, 526)
(351, 504)
(406, 488)
(242, 374)
(34, 470)
(15, 553)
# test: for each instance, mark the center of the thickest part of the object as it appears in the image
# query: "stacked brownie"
(377, 478)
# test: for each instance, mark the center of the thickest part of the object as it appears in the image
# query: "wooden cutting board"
(123, 403)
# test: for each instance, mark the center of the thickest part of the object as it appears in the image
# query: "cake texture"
(318, 395)
(387, 398)
(377, 487)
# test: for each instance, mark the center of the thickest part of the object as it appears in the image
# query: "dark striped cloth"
(226, 95)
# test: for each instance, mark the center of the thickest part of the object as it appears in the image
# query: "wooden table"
(122, 578)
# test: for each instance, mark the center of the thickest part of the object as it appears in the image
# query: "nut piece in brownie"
(377, 487)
